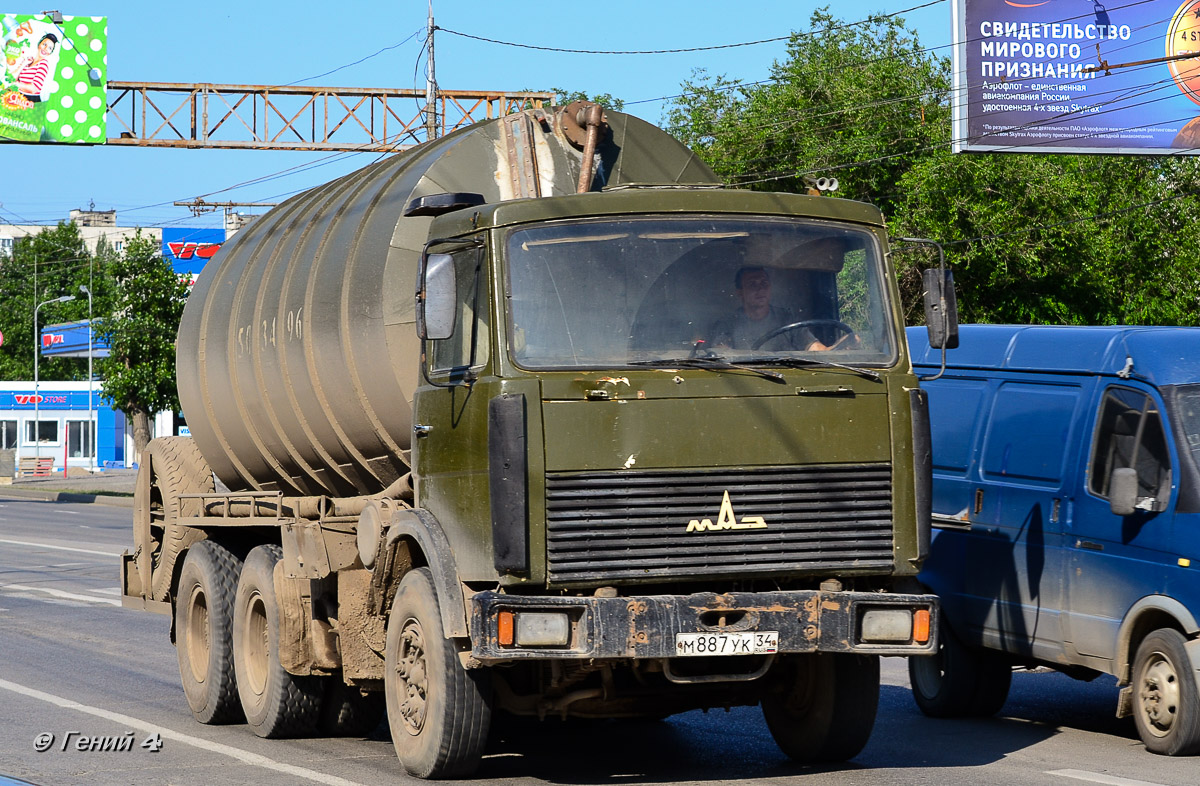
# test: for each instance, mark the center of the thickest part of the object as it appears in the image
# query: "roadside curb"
(111, 500)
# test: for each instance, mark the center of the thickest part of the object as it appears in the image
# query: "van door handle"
(1089, 545)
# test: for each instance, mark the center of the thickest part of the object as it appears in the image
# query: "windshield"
(603, 293)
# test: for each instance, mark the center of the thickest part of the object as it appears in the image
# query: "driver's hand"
(848, 341)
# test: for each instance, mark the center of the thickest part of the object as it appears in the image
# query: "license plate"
(754, 643)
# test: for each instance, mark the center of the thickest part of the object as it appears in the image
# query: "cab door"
(450, 420)
(1115, 560)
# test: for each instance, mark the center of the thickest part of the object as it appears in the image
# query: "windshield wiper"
(714, 362)
(778, 360)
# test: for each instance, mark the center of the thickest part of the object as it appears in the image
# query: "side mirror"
(1122, 491)
(941, 308)
(437, 298)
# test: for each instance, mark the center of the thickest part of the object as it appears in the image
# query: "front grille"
(609, 526)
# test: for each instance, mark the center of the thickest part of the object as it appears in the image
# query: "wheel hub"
(1158, 694)
(413, 679)
(197, 643)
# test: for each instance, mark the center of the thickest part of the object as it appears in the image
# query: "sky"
(272, 42)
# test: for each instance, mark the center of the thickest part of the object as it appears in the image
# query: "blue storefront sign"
(189, 248)
(70, 340)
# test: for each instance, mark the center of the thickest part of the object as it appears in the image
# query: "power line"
(683, 50)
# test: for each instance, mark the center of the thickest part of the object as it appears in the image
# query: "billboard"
(53, 83)
(1024, 80)
(187, 249)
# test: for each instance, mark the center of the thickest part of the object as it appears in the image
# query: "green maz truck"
(538, 420)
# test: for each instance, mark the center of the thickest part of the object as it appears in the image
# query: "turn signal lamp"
(920, 630)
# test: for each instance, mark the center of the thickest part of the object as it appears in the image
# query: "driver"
(756, 317)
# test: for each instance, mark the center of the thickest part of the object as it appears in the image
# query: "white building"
(93, 225)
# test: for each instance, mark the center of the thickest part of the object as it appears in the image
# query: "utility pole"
(430, 85)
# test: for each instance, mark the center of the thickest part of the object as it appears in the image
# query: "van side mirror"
(437, 298)
(941, 308)
(1122, 491)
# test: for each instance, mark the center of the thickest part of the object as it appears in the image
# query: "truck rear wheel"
(826, 708)
(277, 704)
(177, 468)
(958, 682)
(203, 632)
(439, 712)
(1166, 705)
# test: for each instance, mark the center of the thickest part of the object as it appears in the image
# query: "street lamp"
(37, 400)
(91, 423)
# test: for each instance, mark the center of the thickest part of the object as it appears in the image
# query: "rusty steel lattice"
(263, 117)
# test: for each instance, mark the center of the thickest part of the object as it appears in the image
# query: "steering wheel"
(804, 323)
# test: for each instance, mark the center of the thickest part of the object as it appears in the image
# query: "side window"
(8, 434)
(1129, 433)
(469, 345)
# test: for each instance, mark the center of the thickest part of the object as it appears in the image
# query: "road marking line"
(60, 548)
(246, 757)
(108, 590)
(60, 594)
(1096, 777)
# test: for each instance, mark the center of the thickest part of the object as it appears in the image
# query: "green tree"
(562, 97)
(139, 374)
(1085, 240)
(58, 260)
(861, 103)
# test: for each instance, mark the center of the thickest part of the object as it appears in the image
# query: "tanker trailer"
(536, 418)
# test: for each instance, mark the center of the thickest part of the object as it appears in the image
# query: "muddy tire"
(277, 704)
(1166, 706)
(347, 712)
(178, 468)
(824, 708)
(957, 681)
(439, 713)
(204, 632)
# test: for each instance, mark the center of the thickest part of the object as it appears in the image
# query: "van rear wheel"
(958, 682)
(1166, 705)
(825, 708)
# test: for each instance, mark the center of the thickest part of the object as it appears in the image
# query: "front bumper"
(638, 627)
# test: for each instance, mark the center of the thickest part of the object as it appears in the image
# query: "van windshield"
(1185, 401)
(603, 293)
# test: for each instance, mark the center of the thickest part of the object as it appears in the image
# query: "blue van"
(1066, 508)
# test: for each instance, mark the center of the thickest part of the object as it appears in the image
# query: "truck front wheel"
(203, 635)
(1166, 705)
(825, 708)
(277, 704)
(439, 712)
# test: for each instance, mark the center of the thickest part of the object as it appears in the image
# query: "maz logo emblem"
(726, 519)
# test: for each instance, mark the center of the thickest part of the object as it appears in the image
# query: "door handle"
(1089, 545)
(421, 430)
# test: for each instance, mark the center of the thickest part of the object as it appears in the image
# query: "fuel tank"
(297, 355)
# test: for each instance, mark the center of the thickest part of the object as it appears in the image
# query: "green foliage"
(60, 262)
(562, 97)
(844, 95)
(1031, 239)
(1084, 240)
(139, 374)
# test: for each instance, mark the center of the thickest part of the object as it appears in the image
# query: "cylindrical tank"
(297, 356)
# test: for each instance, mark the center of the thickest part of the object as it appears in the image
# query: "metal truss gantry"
(264, 117)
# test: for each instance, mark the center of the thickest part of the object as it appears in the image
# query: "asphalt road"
(75, 665)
